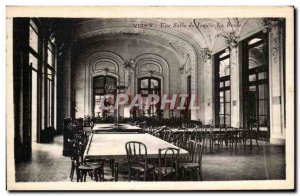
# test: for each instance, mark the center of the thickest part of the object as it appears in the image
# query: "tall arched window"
(103, 85)
(147, 86)
(222, 88)
(256, 82)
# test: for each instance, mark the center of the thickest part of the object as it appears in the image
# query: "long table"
(112, 146)
(105, 127)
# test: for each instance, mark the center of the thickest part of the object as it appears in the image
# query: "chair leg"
(72, 171)
(85, 173)
(153, 175)
(200, 174)
(96, 175)
(78, 174)
(257, 141)
(116, 168)
(99, 173)
(129, 173)
(137, 176)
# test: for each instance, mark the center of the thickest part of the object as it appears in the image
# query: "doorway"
(256, 83)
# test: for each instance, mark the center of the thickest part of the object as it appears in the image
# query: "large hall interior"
(85, 106)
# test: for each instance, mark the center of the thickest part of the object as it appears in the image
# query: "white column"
(277, 134)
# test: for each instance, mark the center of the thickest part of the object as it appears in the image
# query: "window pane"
(144, 83)
(263, 107)
(221, 84)
(98, 82)
(154, 83)
(252, 77)
(221, 118)
(33, 61)
(262, 75)
(252, 41)
(227, 120)
(110, 81)
(50, 57)
(227, 96)
(224, 67)
(33, 39)
(252, 88)
(221, 108)
(49, 73)
(256, 56)
(227, 108)
(221, 94)
(263, 92)
(227, 83)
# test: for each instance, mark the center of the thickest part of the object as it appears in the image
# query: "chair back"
(198, 152)
(77, 150)
(167, 134)
(168, 158)
(254, 128)
(202, 134)
(136, 152)
(191, 149)
(79, 124)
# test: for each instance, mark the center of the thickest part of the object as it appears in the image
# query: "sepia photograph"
(150, 98)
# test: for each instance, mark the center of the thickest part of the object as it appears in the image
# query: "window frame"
(150, 111)
(218, 89)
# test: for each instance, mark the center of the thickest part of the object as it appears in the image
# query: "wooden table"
(112, 146)
(104, 128)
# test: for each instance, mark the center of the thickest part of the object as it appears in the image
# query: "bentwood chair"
(240, 132)
(250, 134)
(232, 137)
(79, 165)
(202, 135)
(191, 168)
(138, 160)
(158, 132)
(168, 164)
(167, 134)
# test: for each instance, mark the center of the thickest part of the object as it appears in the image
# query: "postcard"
(150, 98)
